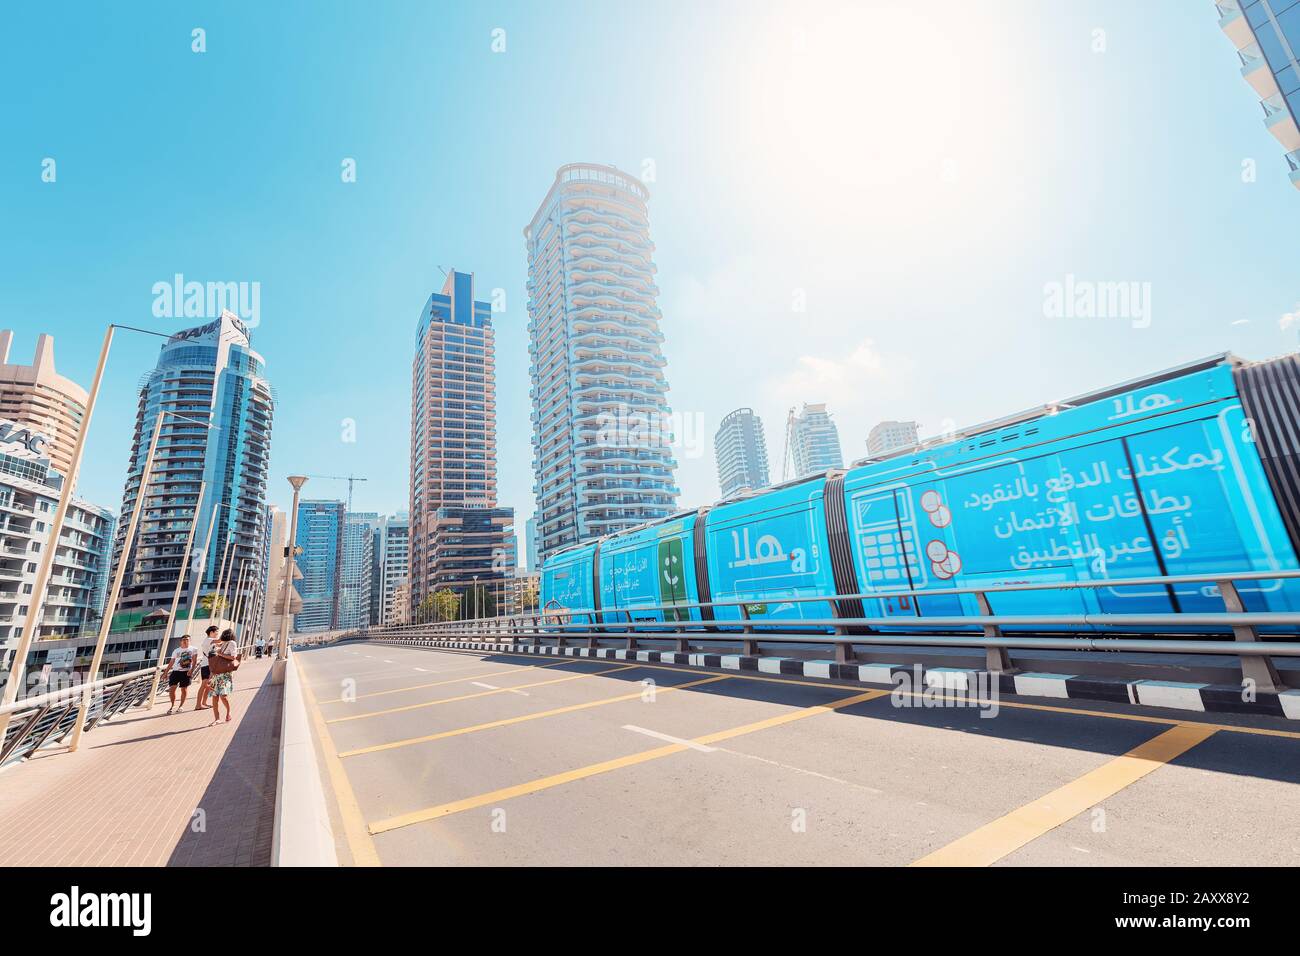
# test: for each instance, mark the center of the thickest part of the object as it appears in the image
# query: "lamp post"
(111, 602)
(476, 600)
(176, 597)
(18, 670)
(282, 652)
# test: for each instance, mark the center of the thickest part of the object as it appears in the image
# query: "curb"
(302, 834)
(1202, 698)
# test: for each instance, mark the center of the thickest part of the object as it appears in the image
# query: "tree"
(445, 604)
(211, 603)
(424, 611)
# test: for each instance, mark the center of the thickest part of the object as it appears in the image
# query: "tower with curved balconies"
(602, 438)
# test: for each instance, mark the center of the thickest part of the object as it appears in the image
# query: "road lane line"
(992, 842)
(439, 683)
(423, 671)
(361, 846)
(669, 738)
(1018, 705)
(482, 693)
(479, 683)
(591, 770)
(507, 721)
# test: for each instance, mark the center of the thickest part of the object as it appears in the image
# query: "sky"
(866, 204)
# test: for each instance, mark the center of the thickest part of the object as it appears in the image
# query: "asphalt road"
(437, 757)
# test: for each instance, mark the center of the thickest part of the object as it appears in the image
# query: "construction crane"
(789, 435)
(350, 479)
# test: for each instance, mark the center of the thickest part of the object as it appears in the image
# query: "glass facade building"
(1266, 34)
(815, 441)
(602, 456)
(320, 536)
(741, 453)
(205, 376)
(453, 444)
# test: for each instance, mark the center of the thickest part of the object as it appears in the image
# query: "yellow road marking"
(1020, 705)
(439, 683)
(482, 693)
(992, 842)
(525, 717)
(360, 844)
(581, 773)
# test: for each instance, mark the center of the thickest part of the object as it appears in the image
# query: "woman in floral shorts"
(223, 685)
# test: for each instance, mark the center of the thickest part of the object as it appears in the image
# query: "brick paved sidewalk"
(149, 789)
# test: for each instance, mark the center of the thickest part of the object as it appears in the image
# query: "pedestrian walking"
(224, 660)
(205, 666)
(178, 674)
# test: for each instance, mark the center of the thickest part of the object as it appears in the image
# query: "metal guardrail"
(844, 632)
(47, 719)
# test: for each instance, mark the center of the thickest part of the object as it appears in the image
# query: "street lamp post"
(227, 565)
(282, 652)
(111, 602)
(196, 584)
(18, 669)
(176, 597)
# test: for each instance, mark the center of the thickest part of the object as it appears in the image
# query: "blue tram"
(1194, 470)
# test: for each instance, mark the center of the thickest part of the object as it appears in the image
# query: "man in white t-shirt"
(183, 662)
(205, 648)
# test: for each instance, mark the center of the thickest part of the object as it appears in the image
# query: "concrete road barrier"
(303, 835)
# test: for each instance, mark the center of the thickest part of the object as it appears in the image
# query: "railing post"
(996, 659)
(1257, 669)
(749, 646)
(537, 633)
(843, 649)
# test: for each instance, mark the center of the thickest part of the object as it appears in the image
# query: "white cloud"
(1289, 318)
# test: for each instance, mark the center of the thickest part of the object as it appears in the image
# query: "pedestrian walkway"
(148, 789)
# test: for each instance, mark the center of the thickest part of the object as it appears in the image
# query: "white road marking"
(423, 671)
(669, 738)
(388, 662)
(811, 773)
(521, 693)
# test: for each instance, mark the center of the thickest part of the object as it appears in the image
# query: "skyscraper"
(889, 436)
(602, 458)
(814, 441)
(394, 545)
(741, 452)
(1266, 34)
(205, 376)
(37, 397)
(320, 536)
(456, 527)
(358, 572)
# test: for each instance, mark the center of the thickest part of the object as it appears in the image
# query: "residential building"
(741, 453)
(456, 526)
(216, 404)
(321, 527)
(602, 438)
(358, 575)
(814, 441)
(887, 437)
(29, 495)
(1266, 34)
(38, 398)
(394, 566)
